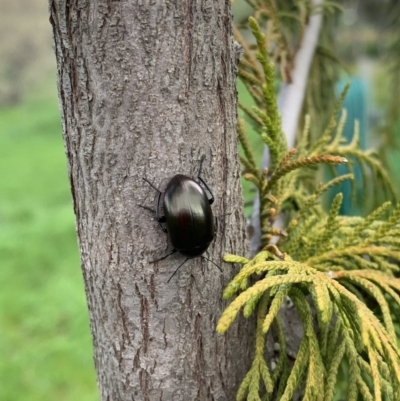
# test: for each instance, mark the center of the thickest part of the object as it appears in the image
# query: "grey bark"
(146, 88)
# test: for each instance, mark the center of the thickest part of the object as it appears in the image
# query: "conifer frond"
(374, 176)
(333, 371)
(303, 162)
(249, 162)
(259, 371)
(326, 137)
(353, 322)
(340, 272)
(275, 306)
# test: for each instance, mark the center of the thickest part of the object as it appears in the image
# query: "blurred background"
(45, 343)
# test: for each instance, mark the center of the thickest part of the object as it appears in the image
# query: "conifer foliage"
(339, 272)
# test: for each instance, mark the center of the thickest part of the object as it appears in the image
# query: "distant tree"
(25, 51)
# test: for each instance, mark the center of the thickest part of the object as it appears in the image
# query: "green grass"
(45, 344)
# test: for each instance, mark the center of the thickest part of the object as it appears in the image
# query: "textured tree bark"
(145, 88)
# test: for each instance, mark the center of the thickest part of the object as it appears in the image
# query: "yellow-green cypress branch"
(364, 224)
(314, 388)
(243, 138)
(250, 78)
(338, 138)
(286, 158)
(384, 369)
(251, 114)
(355, 140)
(333, 372)
(364, 160)
(248, 53)
(326, 136)
(304, 162)
(232, 310)
(272, 106)
(255, 93)
(375, 373)
(260, 343)
(312, 199)
(374, 291)
(364, 389)
(267, 122)
(251, 304)
(261, 44)
(274, 123)
(252, 178)
(393, 220)
(304, 138)
(354, 250)
(333, 336)
(386, 288)
(322, 300)
(235, 259)
(376, 340)
(331, 224)
(354, 370)
(260, 267)
(277, 28)
(247, 65)
(299, 366)
(281, 366)
(259, 369)
(249, 167)
(275, 306)
(244, 386)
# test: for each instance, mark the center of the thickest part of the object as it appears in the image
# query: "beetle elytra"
(188, 218)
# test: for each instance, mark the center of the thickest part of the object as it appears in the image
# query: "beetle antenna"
(202, 158)
(173, 274)
(203, 257)
(151, 184)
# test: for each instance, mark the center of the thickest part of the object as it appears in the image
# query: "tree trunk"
(145, 89)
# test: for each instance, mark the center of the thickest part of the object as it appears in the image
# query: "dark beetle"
(188, 215)
(188, 218)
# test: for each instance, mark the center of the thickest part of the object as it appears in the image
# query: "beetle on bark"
(188, 218)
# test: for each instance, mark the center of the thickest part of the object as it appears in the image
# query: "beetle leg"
(209, 260)
(161, 219)
(173, 274)
(165, 256)
(147, 208)
(216, 221)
